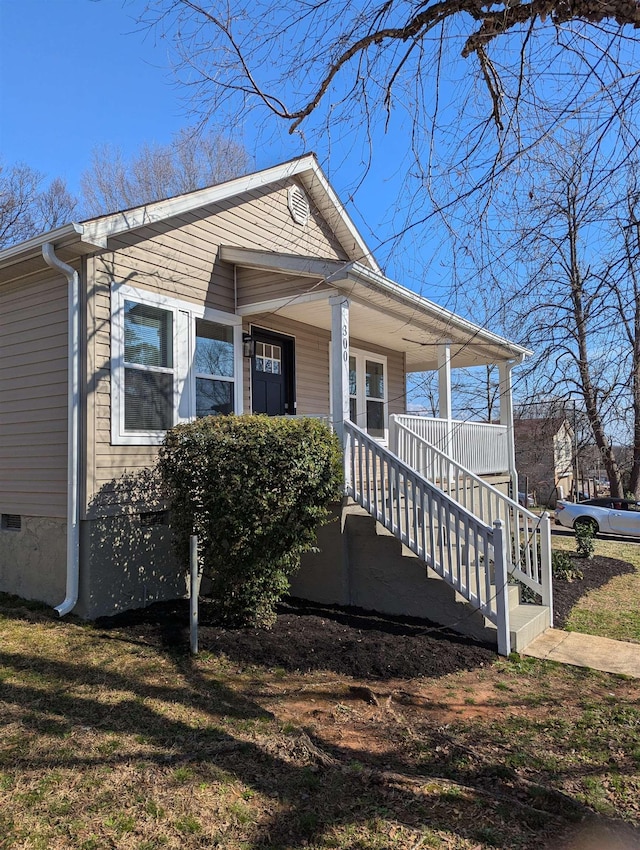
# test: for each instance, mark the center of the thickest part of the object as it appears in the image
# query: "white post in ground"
(444, 394)
(506, 418)
(340, 367)
(194, 592)
(502, 592)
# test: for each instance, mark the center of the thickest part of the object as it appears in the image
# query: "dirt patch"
(597, 572)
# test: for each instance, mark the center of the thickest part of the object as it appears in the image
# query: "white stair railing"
(527, 536)
(466, 552)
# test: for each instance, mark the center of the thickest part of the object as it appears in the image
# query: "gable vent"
(298, 205)
(11, 522)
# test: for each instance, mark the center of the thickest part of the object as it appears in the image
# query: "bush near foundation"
(254, 489)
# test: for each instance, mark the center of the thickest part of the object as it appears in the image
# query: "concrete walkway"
(599, 653)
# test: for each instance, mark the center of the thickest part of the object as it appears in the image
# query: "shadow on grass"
(350, 793)
(349, 790)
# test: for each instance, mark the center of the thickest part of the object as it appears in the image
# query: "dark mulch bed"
(347, 641)
(307, 636)
(597, 572)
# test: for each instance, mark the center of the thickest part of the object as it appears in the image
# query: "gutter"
(73, 428)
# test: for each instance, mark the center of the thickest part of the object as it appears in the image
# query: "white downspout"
(73, 428)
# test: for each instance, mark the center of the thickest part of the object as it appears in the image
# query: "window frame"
(184, 314)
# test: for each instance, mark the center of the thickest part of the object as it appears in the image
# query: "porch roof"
(382, 311)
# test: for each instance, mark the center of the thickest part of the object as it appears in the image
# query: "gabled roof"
(93, 234)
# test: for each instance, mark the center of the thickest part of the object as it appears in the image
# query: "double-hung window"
(214, 368)
(171, 361)
(368, 392)
(148, 367)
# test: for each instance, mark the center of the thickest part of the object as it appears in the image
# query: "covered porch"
(361, 312)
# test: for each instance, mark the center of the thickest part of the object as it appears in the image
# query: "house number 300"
(345, 343)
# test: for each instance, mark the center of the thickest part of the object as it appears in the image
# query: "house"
(544, 456)
(259, 295)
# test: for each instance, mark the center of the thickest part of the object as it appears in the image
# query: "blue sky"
(78, 73)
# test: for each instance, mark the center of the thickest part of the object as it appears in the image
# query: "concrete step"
(526, 622)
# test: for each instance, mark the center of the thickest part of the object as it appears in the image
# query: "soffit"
(382, 311)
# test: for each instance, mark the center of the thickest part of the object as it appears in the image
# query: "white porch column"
(339, 363)
(506, 418)
(444, 393)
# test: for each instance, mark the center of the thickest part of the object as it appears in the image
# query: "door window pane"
(213, 397)
(353, 381)
(214, 349)
(375, 419)
(148, 335)
(374, 379)
(268, 358)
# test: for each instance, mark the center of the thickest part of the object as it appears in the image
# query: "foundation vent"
(151, 518)
(11, 522)
(298, 205)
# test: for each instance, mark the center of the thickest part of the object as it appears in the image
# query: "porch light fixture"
(248, 345)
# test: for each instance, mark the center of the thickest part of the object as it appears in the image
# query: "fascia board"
(361, 274)
(120, 222)
(69, 236)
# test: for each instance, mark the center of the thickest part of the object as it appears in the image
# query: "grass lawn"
(109, 741)
(614, 609)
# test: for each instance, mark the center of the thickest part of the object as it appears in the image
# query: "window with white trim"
(171, 361)
(368, 392)
(214, 368)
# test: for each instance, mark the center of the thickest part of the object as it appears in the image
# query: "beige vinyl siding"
(180, 259)
(33, 388)
(256, 286)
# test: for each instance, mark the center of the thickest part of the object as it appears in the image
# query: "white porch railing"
(466, 552)
(528, 537)
(478, 446)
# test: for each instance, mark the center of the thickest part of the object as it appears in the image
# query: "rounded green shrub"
(563, 567)
(254, 489)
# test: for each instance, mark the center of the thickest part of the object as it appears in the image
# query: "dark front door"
(272, 378)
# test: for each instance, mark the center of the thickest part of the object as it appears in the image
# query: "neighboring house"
(257, 295)
(544, 457)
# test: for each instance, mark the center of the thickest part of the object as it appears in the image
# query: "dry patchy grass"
(109, 742)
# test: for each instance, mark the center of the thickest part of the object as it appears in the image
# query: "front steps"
(526, 621)
(363, 564)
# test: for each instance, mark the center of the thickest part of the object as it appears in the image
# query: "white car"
(605, 514)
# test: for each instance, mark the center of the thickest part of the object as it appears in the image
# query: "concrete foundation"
(360, 563)
(126, 565)
(33, 560)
